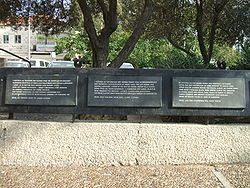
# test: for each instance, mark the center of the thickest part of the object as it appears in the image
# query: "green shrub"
(160, 54)
(244, 62)
(228, 54)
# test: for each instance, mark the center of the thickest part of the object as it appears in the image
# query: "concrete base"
(121, 143)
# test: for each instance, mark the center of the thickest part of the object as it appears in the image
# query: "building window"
(17, 38)
(42, 63)
(6, 39)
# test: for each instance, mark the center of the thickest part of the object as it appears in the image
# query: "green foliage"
(244, 63)
(154, 53)
(147, 53)
(117, 41)
(184, 21)
(78, 43)
(246, 52)
(161, 54)
(75, 43)
(228, 54)
(236, 59)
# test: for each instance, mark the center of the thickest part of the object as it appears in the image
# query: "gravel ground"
(131, 176)
(125, 176)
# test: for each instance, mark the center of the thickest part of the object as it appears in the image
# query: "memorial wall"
(115, 91)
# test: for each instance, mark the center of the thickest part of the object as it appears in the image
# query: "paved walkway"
(230, 175)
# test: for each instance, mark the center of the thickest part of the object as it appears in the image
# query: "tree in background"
(234, 25)
(53, 16)
(198, 28)
(244, 63)
(183, 22)
(174, 21)
(9, 10)
(100, 40)
(48, 17)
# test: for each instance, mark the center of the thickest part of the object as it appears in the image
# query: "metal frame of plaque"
(59, 90)
(125, 91)
(196, 92)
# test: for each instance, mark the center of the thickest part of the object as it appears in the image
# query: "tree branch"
(111, 20)
(104, 10)
(217, 10)
(88, 22)
(180, 48)
(113, 14)
(138, 31)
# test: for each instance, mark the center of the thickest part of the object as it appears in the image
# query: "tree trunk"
(100, 53)
(100, 43)
(207, 52)
(199, 27)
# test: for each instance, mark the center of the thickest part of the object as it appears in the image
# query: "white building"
(17, 42)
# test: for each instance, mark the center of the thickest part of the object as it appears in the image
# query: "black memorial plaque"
(46, 90)
(196, 92)
(125, 91)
